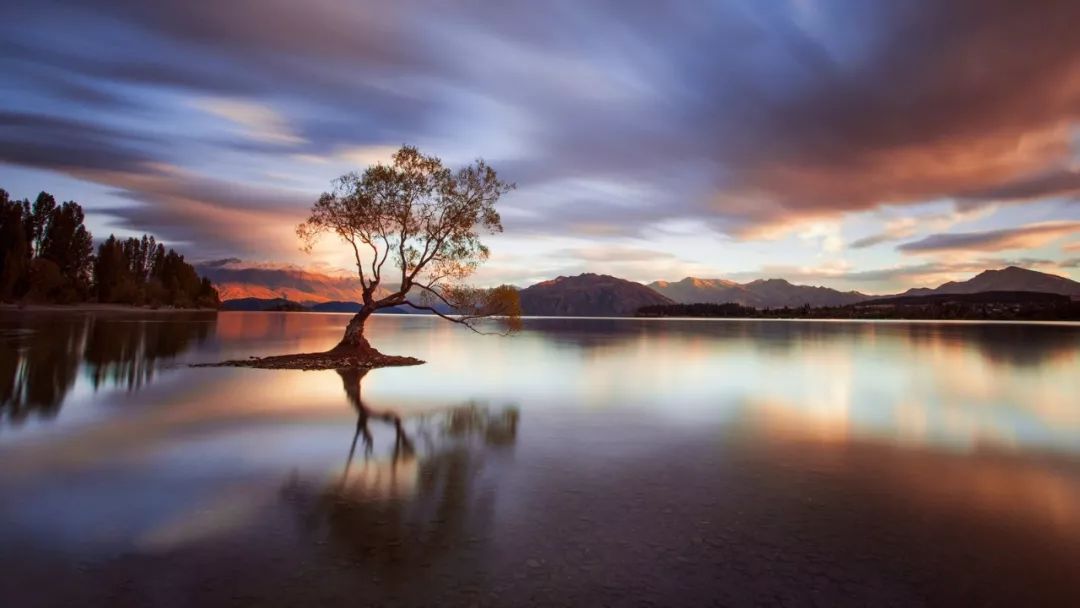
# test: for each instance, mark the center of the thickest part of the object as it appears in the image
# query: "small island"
(426, 220)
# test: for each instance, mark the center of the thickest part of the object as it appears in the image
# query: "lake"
(581, 462)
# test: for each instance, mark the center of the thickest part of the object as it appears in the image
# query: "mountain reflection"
(1026, 345)
(41, 355)
(399, 507)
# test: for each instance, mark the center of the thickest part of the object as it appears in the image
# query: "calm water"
(582, 462)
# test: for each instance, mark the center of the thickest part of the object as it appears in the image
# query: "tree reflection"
(40, 356)
(402, 505)
(403, 448)
(37, 368)
(127, 353)
(1011, 344)
(1006, 344)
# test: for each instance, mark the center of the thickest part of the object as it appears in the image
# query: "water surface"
(582, 462)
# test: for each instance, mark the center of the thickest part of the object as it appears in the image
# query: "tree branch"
(359, 264)
(460, 320)
(435, 293)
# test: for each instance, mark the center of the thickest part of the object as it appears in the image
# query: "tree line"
(1000, 306)
(47, 256)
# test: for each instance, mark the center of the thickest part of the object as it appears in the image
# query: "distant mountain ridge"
(603, 295)
(592, 295)
(762, 293)
(1011, 278)
(283, 305)
(261, 305)
(267, 283)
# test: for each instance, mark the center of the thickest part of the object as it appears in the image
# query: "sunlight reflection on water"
(109, 441)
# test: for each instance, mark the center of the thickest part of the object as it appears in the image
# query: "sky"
(861, 145)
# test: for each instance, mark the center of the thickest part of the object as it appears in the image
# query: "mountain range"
(603, 295)
(235, 282)
(763, 293)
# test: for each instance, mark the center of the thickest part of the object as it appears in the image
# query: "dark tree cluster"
(140, 272)
(47, 256)
(994, 305)
(46, 252)
(725, 310)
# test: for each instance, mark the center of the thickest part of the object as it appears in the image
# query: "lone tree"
(426, 220)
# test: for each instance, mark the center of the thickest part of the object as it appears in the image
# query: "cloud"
(50, 142)
(895, 230)
(1024, 237)
(751, 119)
(613, 253)
(214, 218)
(909, 122)
(363, 156)
(899, 228)
(220, 263)
(1063, 183)
(255, 121)
(826, 234)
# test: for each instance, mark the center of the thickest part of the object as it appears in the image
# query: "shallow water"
(581, 462)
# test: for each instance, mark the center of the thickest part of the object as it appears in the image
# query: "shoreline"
(95, 307)
(124, 308)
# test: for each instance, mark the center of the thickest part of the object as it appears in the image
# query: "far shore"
(92, 307)
(95, 307)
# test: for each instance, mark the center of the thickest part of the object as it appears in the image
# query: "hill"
(588, 295)
(1012, 278)
(763, 293)
(982, 297)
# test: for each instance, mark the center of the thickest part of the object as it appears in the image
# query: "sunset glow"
(814, 141)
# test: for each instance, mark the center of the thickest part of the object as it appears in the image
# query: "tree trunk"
(354, 341)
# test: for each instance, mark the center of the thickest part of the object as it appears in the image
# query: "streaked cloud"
(255, 121)
(898, 228)
(217, 124)
(1023, 237)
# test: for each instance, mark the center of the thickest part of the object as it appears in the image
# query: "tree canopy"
(427, 221)
(47, 255)
(140, 271)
